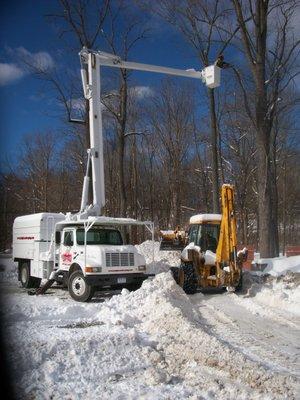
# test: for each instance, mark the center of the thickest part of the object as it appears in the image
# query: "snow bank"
(273, 297)
(150, 344)
(158, 261)
(153, 343)
(280, 265)
(8, 269)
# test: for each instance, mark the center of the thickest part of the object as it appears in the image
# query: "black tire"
(134, 286)
(175, 274)
(190, 283)
(26, 280)
(239, 286)
(78, 287)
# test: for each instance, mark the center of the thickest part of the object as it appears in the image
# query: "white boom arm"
(90, 75)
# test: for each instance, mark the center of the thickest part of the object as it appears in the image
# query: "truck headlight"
(142, 267)
(88, 268)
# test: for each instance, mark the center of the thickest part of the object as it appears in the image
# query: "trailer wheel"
(190, 283)
(78, 287)
(28, 281)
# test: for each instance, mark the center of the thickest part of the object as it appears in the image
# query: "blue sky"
(27, 104)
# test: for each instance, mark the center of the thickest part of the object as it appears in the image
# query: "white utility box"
(32, 236)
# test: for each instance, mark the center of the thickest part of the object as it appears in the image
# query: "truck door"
(67, 249)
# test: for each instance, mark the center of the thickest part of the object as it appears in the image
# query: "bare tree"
(199, 22)
(271, 74)
(121, 38)
(173, 123)
(36, 163)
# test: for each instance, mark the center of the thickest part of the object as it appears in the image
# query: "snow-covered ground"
(279, 265)
(156, 342)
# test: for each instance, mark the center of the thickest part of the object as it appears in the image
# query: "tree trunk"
(267, 191)
(214, 151)
(122, 187)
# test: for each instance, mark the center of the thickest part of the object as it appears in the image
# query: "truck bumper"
(116, 280)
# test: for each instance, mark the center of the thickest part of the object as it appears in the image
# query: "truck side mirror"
(57, 237)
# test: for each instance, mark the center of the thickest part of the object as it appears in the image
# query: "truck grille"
(119, 259)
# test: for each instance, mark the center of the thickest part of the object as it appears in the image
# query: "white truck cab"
(86, 255)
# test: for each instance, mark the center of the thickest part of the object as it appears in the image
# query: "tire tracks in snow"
(264, 340)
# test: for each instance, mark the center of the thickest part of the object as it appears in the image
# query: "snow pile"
(154, 343)
(275, 297)
(158, 261)
(150, 344)
(280, 265)
(190, 350)
(8, 269)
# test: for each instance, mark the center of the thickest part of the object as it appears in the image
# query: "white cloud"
(141, 92)
(40, 60)
(10, 73)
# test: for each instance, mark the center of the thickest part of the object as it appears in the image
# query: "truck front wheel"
(28, 281)
(78, 287)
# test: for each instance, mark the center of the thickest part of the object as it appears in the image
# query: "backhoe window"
(206, 236)
(99, 236)
(193, 233)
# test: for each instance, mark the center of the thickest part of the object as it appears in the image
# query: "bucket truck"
(86, 250)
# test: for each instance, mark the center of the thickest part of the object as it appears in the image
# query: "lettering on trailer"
(66, 258)
(25, 237)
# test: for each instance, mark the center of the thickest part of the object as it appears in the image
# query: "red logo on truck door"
(66, 258)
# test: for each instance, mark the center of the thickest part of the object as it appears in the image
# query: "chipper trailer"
(210, 258)
(86, 250)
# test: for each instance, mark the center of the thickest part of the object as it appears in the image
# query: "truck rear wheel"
(28, 281)
(78, 287)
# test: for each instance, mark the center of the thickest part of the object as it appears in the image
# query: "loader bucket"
(167, 245)
(172, 240)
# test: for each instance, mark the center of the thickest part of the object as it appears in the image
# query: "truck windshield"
(205, 235)
(99, 236)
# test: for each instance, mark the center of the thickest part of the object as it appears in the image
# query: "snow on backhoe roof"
(199, 218)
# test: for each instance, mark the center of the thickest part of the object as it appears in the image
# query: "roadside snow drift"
(156, 342)
(280, 265)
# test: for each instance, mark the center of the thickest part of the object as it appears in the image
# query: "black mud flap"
(41, 289)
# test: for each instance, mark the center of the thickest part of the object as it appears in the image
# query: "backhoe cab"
(210, 258)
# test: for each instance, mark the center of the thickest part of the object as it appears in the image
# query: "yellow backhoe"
(210, 258)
